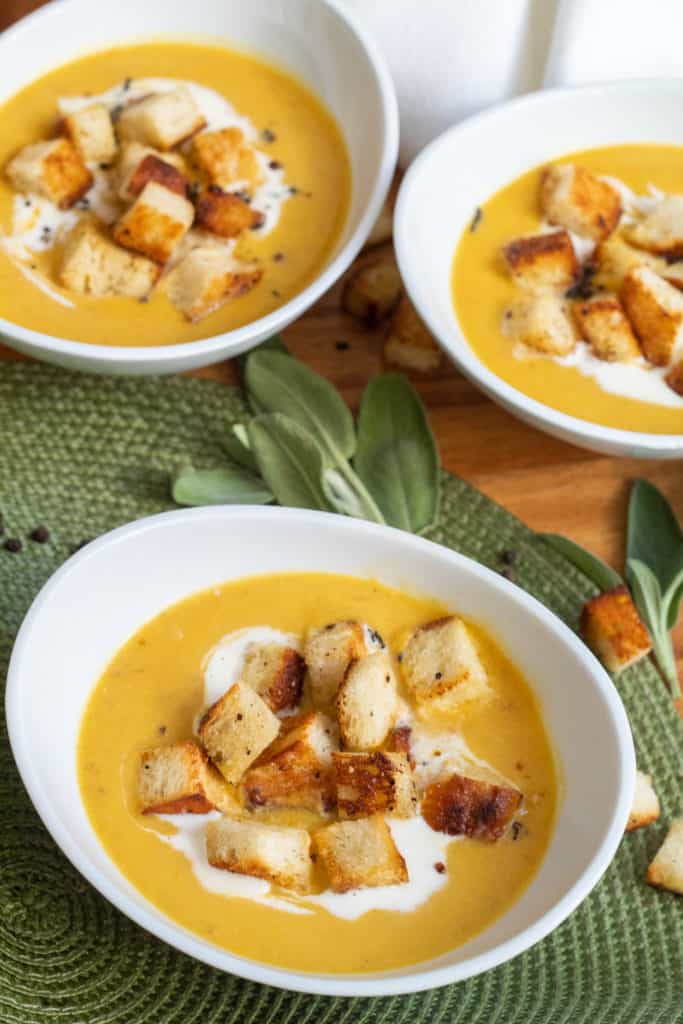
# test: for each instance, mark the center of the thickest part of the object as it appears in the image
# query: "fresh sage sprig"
(226, 485)
(602, 574)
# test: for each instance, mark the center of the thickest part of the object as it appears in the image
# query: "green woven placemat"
(83, 455)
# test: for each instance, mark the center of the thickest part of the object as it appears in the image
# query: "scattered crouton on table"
(666, 870)
(93, 265)
(328, 652)
(372, 292)
(179, 779)
(581, 202)
(206, 278)
(360, 854)
(236, 729)
(655, 309)
(162, 120)
(54, 170)
(605, 326)
(409, 345)
(541, 322)
(275, 853)
(441, 665)
(645, 807)
(367, 702)
(462, 806)
(613, 629)
(545, 262)
(374, 783)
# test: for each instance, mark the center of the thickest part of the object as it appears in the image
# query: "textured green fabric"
(84, 455)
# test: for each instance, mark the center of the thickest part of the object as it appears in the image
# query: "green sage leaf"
(647, 594)
(655, 538)
(347, 495)
(602, 575)
(236, 444)
(229, 485)
(289, 459)
(273, 344)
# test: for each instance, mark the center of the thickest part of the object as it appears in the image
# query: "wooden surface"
(550, 485)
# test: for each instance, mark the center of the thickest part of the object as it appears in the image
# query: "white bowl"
(318, 40)
(73, 629)
(467, 164)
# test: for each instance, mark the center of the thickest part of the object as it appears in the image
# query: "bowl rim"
(467, 361)
(229, 343)
(416, 978)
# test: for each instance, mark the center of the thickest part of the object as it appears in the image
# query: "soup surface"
(301, 150)
(150, 694)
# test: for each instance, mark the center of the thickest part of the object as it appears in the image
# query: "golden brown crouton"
(671, 272)
(276, 673)
(278, 855)
(605, 326)
(460, 806)
(360, 854)
(574, 198)
(409, 345)
(206, 278)
(153, 168)
(236, 729)
(441, 665)
(162, 120)
(398, 742)
(645, 807)
(661, 231)
(178, 779)
(296, 770)
(132, 156)
(92, 132)
(655, 310)
(542, 323)
(227, 159)
(666, 870)
(226, 214)
(93, 265)
(613, 630)
(52, 169)
(542, 262)
(372, 292)
(375, 783)
(328, 652)
(155, 223)
(614, 257)
(367, 702)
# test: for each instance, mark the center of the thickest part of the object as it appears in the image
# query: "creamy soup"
(151, 693)
(303, 195)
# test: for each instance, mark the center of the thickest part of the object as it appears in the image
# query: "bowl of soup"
(178, 182)
(538, 242)
(345, 764)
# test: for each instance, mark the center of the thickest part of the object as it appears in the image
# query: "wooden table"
(550, 485)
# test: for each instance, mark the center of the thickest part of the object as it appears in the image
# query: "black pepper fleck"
(278, 257)
(508, 556)
(162, 730)
(438, 675)
(41, 534)
(275, 165)
(105, 167)
(293, 190)
(215, 190)
(440, 867)
(27, 202)
(13, 544)
(341, 346)
(275, 293)
(268, 136)
(127, 84)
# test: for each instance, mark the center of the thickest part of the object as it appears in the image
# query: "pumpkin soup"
(319, 772)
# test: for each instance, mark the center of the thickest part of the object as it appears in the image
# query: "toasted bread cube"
(153, 168)
(227, 159)
(360, 854)
(461, 806)
(277, 854)
(409, 345)
(661, 231)
(208, 277)
(178, 779)
(542, 262)
(162, 120)
(155, 223)
(575, 199)
(671, 272)
(605, 326)
(398, 742)
(276, 673)
(328, 652)
(52, 169)
(645, 807)
(613, 629)
(374, 783)
(372, 292)
(128, 172)
(367, 702)
(542, 323)
(92, 132)
(236, 729)
(296, 770)
(666, 870)
(226, 214)
(614, 257)
(441, 666)
(655, 309)
(93, 265)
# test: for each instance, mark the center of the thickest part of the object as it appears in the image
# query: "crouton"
(661, 231)
(606, 328)
(614, 257)
(153, 168)
(162, 120)
(236, 729)
(645, 807)
(613, 629)
(575, 199)
(296, 770)
(276, 673)
(328, 652)
(360, 854)
(226, 214)
(542, 262)
(372, 292)
(674, 378)
(52, 169)
(375, 783)
(155, 223)
(227, 159)
(92, 265)
(409, 345)
(542, 323)
(277, 854)
(671, 272)
(666, 870)
(398, 742)
(367, 702)
(128, 171)
(178, 779)
(461, 806)
(383, 228)
(92, 133)
(206, 278)
(441, 666)
(655, 309)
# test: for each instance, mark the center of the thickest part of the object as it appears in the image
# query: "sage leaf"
(601, 574)
(289, 459)
(273, 344)
(236, 444)
(647, 594)
(396, 456)
(347, 495)
(655, 538)
(229, 485)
